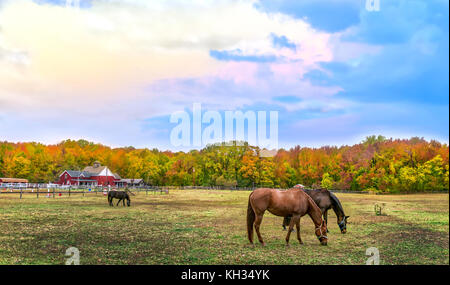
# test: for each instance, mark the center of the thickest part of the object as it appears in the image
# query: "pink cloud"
(239, 72)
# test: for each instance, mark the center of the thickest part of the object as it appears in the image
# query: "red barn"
(96, 175)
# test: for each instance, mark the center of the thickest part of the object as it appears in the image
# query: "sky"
(114, 71)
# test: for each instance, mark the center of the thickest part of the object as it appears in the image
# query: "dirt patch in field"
(398, 230)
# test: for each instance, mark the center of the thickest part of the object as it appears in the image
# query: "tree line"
(376, 164)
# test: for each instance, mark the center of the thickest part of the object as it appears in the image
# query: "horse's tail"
(250, 220)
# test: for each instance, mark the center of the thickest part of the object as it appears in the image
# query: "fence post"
(37, 193)
(83, 191)
(69, 192)
(53, 192)
(20, 193)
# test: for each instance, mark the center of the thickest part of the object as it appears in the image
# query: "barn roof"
(93, 169)
(13, 180)
(90, 171)
(97, 169)
(75, 173)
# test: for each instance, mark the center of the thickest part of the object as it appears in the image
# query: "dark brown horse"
(121, 195)
(291, 202)
(325, 200)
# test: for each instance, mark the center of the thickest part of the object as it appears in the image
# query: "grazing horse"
(283, 203)
(121, 195)
(325, 200)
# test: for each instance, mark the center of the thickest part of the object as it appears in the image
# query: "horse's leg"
(120, 199)
(325, 217)
(123, 202)
(297, 223)
(258, 220)
(291, 226)
(293, 230)
(286, 222)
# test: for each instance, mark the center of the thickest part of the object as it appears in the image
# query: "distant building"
(134, 182)
(13, 180)
(13, 183)
(96, 175)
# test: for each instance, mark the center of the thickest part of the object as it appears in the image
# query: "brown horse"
(284, 203)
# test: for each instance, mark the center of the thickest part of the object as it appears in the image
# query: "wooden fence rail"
(52, 192)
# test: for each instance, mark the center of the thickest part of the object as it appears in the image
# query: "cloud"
(113, 64)
(105, 71)
(324, 15)
(404, 56)
(114, 48)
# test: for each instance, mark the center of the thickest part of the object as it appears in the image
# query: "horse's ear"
(346, 217)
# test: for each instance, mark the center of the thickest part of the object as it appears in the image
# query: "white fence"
(68, 191)
(14, 185)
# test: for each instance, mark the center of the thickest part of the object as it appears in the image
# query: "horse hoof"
(300, 242)
(263, 244)
(287, 245)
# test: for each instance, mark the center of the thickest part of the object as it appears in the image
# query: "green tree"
(327, 182)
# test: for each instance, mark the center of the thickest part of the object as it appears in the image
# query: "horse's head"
(321, 233)
(343, 224)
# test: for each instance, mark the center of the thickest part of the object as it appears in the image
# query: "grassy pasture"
(208, 227)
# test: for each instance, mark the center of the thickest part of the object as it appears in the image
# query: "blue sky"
(334, 71)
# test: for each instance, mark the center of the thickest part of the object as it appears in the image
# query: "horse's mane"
(336, 202)
(308, 191)
(313, 205)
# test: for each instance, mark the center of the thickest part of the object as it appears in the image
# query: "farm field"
(209, 227)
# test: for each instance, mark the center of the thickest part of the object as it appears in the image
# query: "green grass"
(209, 227)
